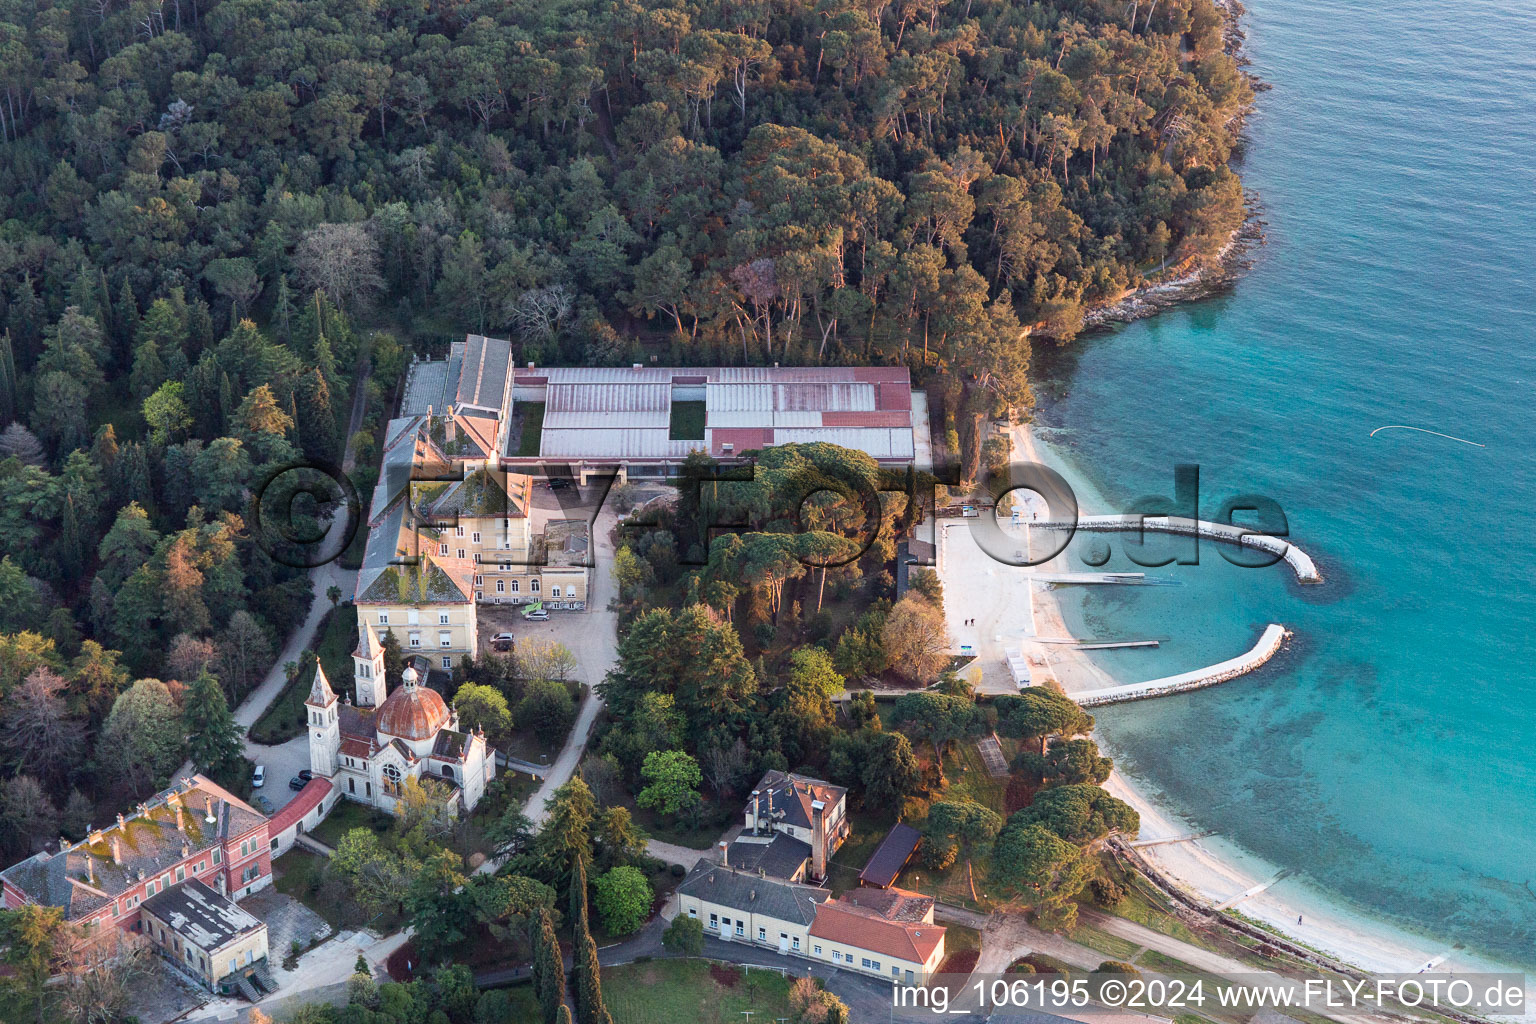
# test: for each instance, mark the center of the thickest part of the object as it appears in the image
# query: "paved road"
(674, 854)
(592, 639)
(284, 761)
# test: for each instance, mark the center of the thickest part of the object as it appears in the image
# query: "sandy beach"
(1217, 872)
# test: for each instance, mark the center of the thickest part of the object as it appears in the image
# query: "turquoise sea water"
(1390, 753)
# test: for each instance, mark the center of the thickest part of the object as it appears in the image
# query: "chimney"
(770, 808)
(818, 840)
(208, 803)
(725, 854)
(90, 868)
(181, 821)
(120, 821)
(117, 849)
(757, 822)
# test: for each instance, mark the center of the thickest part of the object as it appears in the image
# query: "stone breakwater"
(1300, 562)
(1269, 644)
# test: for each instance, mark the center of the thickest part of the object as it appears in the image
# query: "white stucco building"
(369, 750)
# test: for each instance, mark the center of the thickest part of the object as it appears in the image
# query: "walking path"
(258, 700)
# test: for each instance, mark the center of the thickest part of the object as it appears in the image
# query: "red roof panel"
(308, 799)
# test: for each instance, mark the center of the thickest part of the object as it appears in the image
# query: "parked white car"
(259, 777)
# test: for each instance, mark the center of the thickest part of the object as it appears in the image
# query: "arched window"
(514, 586)
(447, 771)
(533, 585)
(392, 779)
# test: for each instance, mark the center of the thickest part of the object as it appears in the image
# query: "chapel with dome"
(370, 749)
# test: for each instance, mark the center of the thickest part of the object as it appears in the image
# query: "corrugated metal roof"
(613, 444)
(766, 420)
(824, 397)
(616, 397)
(879, 442)
(739, 398)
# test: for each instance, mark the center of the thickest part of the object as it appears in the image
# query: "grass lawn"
(671, 991)
(298, 873)
(958, 938)
(344, 817)
(1145, 906)
(966, 778)
(687, 421)
(286, 717)
(338, 639)
(869, 829)
(532, 414)
(1112, 946)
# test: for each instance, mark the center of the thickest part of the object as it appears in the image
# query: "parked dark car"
(297, 783)
(559, 483)
(306, 774)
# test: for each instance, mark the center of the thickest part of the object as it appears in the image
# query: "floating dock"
(1300, 563)
(1269, 643)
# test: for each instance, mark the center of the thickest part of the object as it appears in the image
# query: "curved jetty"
(1299, 561)
(1262, 651)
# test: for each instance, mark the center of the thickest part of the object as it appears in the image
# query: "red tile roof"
(307, 800)
(354, 747)
(843, 922)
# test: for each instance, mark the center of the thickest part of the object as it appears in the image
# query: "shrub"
(684, 935)
(1106, 892)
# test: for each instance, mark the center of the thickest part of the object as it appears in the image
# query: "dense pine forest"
(218, 218)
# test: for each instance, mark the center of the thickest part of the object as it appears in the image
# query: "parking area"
(508, 618)
(282, 762)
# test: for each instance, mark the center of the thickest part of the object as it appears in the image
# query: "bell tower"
(324, 725)
(368, 667)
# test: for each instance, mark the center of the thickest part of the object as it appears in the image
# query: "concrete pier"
(1269, 643)
(1300, 563)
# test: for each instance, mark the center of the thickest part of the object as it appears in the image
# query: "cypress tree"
(104, 450)
(71, 551)
(548, 967)
(564, 1016)
(7, 379)
(125, 320)
(227, 404)
(282, 311)
(589, 984)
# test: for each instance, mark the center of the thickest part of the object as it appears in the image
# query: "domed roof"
(412, 712)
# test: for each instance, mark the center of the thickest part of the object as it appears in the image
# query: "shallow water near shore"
(1387, 753)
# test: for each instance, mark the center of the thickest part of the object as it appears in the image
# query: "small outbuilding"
(892, 855)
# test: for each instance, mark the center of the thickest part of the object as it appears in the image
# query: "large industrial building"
(645, 420)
